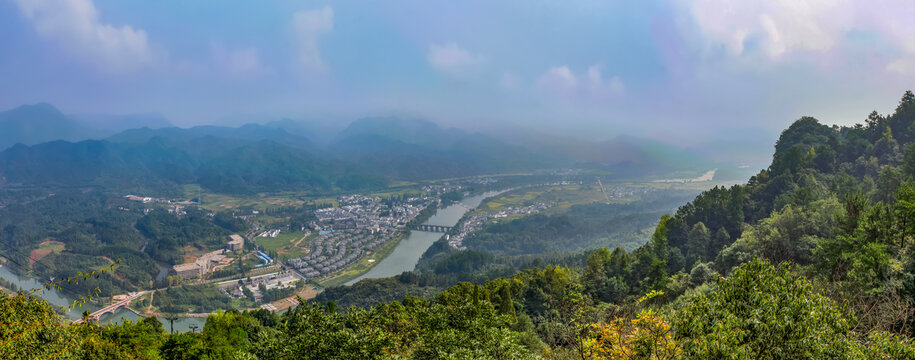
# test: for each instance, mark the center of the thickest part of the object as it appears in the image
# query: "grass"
(46, 248)
(285, 246)
(561, 197)
(281, 242)
(52, 245)
(220, 202)
(703, 185)
(363, 265)
(558, 196)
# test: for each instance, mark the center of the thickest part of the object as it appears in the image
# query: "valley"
(457, 180)
(320, 242)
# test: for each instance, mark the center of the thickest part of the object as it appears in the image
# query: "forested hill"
(256, 158)
(811, 259)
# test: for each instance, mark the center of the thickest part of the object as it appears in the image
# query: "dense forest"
(811, 259)
(96, 229)
(581, 227)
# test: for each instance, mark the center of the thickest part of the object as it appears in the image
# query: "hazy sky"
(669, 68)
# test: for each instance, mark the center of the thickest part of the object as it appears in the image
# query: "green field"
(51, 245)
(285, 246)
(561, 197)
(558, 197)
(281, 242)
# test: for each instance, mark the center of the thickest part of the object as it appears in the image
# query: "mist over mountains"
(143, 151)
(42, 122)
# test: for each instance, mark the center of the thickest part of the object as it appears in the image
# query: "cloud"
(598, 86)
(309, 26)
(893, 20)
(559, 79)
(452, 59)
(237, 62)
(779, 26)
(902, 66)
(76, 25)
(562, 80)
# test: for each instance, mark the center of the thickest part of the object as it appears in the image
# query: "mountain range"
(42, 122)
(55, 149)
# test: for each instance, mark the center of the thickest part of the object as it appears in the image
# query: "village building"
(236, 243)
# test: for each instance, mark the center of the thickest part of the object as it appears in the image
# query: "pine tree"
(507, 307)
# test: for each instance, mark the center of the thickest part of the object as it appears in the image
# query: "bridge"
(113, 307)
(430, 228)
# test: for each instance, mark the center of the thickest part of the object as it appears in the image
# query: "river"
(407, 253)
(58, 299)
(404, 258)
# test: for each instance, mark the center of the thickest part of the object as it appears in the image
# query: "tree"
(904, 210)
(885, 190)
(698, 243)
(720, 240)
(506, 306)
(908, 161)
(647, 337)
(763, 312)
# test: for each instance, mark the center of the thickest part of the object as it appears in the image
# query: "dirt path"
(149, 309)
(301, 240)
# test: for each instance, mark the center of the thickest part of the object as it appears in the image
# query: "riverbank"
(369, 261)
(365, 264)
(408, 252)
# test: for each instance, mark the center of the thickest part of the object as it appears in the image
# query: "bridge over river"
(430, 228)
(113, 307)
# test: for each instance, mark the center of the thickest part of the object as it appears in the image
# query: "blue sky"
(675, 70)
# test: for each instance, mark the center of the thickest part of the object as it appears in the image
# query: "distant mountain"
(625, 156)
(42, 122)
(213, 140)
(319, 132)
(94, 162)
(33, 124)
(368, 153)
(112, 124)
(408, 131)
(257, 166)
(419, 149)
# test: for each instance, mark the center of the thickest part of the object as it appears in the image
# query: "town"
(359, 225)
(476, 221)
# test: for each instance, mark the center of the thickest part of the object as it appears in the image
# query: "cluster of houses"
(476, 221)
(358, 225)
(445, 187)
(332, 252)
(619, 192)
(365, 212)
(210, 261)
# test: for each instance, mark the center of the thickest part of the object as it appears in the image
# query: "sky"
(676, 70)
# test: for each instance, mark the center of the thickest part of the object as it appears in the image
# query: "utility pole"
(171, 320)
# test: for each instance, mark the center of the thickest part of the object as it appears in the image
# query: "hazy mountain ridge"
(256, 158)
(42, 122)
(33, 124)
